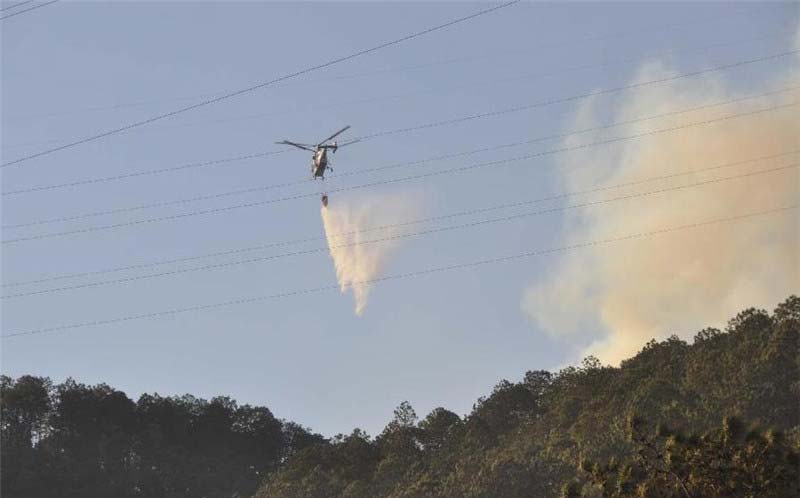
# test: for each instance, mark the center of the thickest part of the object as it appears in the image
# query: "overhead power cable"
(441, 62)
(490, 83)
(419, 273)
(259, 85)
(125, 176)
(262, 247)
(494, 82)
(39, 6)
(382, 98)
(429, 125)
(431, 231)
(16, 5)
(573, 98)
(304, 181)
(393, 166)
(391, 181)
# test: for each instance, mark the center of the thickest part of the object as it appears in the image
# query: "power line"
(418, 221)
(125, 176)
(452, 60)
(419, 273)
(258, 86)
(394, 166)
(370, 100)
(387, 182)
(462, 119)
(572, 98)
(382, 98)
(403, 236)
(26, 10)
(18, 4)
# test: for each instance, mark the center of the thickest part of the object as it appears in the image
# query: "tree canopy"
(74, 440)
(719, 416)
(571, 433)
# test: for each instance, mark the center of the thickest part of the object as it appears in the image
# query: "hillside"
(528, 439)
(589, 430)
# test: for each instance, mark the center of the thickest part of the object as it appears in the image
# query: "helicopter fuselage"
(319, 162)
(319, 159)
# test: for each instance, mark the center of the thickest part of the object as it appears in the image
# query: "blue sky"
(438, 340)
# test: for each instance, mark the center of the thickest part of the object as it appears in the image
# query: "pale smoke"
(612, 299)
(347, 224)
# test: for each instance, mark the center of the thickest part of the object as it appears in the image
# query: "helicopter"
(319, 161)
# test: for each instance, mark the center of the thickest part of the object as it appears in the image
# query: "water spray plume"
(356, 262)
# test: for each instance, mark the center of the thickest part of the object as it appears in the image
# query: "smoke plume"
(611, 299)
(347, 224)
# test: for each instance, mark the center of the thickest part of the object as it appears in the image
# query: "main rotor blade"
(335, 135)
(294, 144)
(349, 143)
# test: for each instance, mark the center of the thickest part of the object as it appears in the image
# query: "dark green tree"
(728, 462)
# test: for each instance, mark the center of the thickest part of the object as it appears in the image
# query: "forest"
(715, 417)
